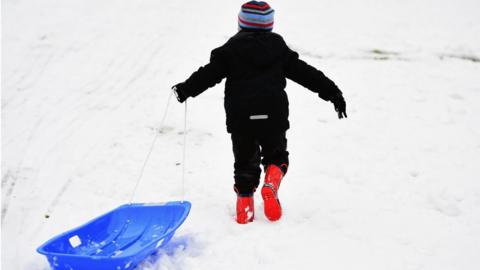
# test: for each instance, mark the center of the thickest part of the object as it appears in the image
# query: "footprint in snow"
(165, 129)
(456, 96)
(445, 206)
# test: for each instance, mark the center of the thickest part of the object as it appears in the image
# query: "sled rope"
(151, 149)
(184, 150)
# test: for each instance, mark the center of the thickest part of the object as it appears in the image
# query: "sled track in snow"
(387, 55)
(9, 187)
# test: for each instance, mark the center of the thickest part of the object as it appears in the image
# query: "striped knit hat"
(256, 15)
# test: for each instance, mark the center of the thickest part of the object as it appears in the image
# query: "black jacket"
(256, 65)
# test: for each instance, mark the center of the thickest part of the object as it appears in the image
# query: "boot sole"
(272, 207)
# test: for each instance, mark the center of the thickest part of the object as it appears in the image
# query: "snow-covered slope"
(395, 186)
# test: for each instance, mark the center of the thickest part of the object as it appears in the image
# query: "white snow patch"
(75, 241)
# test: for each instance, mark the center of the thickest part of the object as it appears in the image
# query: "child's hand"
(340, 105)
(177, 89)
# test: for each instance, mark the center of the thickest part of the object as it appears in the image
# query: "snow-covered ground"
(395, 186)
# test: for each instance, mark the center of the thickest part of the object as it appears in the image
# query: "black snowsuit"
(256, 65)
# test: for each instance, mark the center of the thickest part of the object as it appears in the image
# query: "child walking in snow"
(256, 63)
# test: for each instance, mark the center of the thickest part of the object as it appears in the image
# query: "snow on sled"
(117, 240)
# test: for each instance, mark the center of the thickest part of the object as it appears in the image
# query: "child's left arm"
(204, 78)
(313, 79)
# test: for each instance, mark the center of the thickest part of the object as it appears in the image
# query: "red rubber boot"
(272, 207)
(245, 209)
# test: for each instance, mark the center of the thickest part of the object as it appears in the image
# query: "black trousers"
(252, 150)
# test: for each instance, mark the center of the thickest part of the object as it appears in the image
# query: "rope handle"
(184, 150)
(152, 145)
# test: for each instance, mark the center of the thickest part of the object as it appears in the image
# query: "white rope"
(184, 151)
(151, 149)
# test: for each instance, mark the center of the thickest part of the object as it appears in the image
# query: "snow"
(395, 186)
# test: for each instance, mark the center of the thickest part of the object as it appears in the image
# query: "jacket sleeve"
(309, 77)
(208, 75)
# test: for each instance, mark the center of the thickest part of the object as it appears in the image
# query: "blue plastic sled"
(118, 240)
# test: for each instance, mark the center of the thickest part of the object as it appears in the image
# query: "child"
(256, 63)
